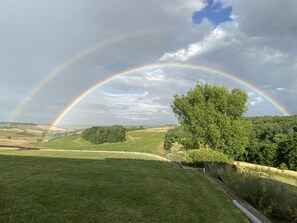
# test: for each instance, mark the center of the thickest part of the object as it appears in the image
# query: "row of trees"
(104, 134)
(273, 142)
(212, 116)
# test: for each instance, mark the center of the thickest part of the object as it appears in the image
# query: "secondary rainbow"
(169, 65)
(72, 61)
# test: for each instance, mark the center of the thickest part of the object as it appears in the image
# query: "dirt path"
(96, 151)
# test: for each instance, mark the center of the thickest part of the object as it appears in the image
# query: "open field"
(148, 140)
(284, 176)
(81, 189)
(21, 134)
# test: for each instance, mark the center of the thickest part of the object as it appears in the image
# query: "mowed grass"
(76, 154)
(81, 189)
(149, 140)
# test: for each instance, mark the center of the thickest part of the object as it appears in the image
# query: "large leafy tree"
(213, 116)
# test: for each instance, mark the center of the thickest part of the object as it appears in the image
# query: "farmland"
(149, 140)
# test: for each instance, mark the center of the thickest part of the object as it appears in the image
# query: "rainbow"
(168, 65)
(72, 61)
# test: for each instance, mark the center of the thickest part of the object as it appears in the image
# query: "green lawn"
(150, 141)
(76, 155)
(81, 189)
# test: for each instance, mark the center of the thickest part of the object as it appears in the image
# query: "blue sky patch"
(214, 12)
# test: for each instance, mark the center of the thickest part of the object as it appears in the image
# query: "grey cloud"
(37, 37)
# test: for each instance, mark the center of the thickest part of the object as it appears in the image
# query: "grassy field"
(148, 140)
(81, 189)
(76, 154)
(284, 176)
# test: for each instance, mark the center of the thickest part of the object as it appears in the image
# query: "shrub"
(274, 199)
(104, 134)
(283, 166)
(177, 148)
(177, 152)
(202, 157)
(179, 135)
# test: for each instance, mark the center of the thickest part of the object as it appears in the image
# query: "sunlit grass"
(149, 140)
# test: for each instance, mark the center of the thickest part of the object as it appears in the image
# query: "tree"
(103, 134)
(178, 135)
(213, 116)
(287, 150)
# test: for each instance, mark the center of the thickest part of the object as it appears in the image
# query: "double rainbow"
(148, 67)
(59, 71)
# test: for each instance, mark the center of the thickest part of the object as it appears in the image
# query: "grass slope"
(76, 154)
(149, 140)
(46, 189)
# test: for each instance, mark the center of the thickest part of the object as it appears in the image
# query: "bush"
(202, 157)
(104, 134)
(283, 166)
(179, 135)
(178, 153)
(274, 199)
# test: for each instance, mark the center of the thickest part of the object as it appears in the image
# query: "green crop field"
(104, 187)
(149, 140)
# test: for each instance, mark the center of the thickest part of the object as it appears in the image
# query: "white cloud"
(210, 41)
(255, 101)
(280, 89)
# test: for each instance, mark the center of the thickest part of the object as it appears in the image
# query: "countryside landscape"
(149, 111)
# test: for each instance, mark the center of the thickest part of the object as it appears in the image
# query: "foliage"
(283, 166)
(179, 135)
(202, 157)
(276, 200)
(212, 115)
(177, 148)
(197, 157)
(273, 140)
(104, 134)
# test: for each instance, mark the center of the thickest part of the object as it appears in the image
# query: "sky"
(51, 52)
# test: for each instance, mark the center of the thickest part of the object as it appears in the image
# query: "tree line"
(104, 134)
(273, 141)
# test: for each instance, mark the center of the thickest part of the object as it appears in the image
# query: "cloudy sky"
(52, 51)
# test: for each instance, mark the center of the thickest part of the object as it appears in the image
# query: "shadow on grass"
(54, 189)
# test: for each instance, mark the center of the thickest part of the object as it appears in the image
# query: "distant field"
(81, 189)
(148, 140)
(20, 134)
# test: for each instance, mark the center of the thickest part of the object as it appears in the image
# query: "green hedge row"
(203, 157)
(104, 134)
